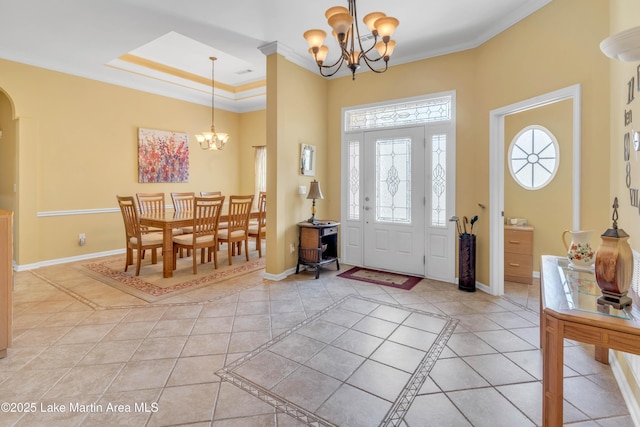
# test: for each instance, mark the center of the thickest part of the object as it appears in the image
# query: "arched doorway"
(8, 159)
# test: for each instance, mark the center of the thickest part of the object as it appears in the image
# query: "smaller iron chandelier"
(211, 140)
(345, 29)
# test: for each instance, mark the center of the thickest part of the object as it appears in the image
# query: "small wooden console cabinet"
(518, 254)
(318, 244)
(6, 279)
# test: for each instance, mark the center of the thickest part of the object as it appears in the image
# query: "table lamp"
(314, 193)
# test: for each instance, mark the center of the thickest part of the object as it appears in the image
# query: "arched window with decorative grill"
(534, 157)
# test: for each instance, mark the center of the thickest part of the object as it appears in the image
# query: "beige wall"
(549, 209)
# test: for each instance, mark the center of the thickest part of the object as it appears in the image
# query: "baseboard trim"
(280, 276)
(25, 267)
(484, 288)
(35, 265)
(627, 394)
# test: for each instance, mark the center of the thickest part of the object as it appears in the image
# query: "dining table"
(167, 221)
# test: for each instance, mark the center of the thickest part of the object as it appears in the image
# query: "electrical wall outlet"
(292, 248)
(82, 239)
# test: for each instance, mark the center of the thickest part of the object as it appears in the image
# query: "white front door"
(394, 200)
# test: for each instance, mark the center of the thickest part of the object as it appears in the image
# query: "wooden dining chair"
(183, 202)
(237, 230)
(205, 231)
(136, 240)
(148, 203)
(221, 225)
(259, 228)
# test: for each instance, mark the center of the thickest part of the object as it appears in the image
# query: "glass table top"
(582, 291)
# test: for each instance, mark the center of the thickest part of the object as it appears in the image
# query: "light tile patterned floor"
(155, 364)
(307, 371)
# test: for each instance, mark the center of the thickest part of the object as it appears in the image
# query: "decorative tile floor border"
(402, 403)
(522, 306)
(95, 306)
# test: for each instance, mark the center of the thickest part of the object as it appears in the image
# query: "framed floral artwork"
(163, 156)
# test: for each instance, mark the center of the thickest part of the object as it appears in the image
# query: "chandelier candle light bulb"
(344, 23)
(212, 140)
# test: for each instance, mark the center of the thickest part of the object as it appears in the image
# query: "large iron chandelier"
(345, 29)
(211, 140)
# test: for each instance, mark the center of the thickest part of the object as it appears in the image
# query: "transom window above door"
(534, 157)
(419, 111)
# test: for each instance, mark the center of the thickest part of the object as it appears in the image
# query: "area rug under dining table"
(151, 287)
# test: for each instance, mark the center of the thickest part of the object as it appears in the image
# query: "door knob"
(366, 199)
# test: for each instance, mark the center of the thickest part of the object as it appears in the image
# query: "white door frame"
(351, 238)
(496, 173)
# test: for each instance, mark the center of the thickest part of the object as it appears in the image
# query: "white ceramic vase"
(579, 251)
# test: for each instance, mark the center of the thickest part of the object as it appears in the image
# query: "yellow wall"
(296, 114)
(549, 209)
(77, 137)
(450, 72)
(624, 14)
(556, 47)
(77, 149)
(7, 154)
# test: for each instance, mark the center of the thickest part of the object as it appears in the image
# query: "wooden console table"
(568, 309)
(318, 244)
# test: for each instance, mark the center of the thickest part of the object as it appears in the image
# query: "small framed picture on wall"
(307, 159)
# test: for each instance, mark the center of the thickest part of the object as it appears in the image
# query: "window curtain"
(260, 169)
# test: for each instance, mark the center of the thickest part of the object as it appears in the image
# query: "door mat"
(384, 278)
(327, 371)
